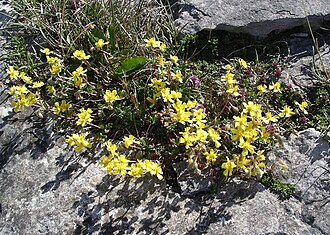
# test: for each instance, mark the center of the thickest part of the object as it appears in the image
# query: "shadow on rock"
(61, 176)
(146, 207)
(21, 133)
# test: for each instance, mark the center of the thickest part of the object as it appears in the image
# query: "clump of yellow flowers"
(118, 164)
(80, 94)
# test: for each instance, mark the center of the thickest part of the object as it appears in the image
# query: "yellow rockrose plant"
(156, 110)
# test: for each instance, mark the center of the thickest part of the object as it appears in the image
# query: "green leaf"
(130, 65)
(112, 37)
(96, 34)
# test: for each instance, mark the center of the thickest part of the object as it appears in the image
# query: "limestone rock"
(308, 157)
(44, 196)
(45, 190)
(304, 72)
(258, 18)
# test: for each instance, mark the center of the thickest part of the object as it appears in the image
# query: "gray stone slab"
(259, 18)
(43, 190)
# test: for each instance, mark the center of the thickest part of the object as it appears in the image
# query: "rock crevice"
(258, 18)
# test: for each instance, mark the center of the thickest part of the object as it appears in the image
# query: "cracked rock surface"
(45, 190)
(258, 18)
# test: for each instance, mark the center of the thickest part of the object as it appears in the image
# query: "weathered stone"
(308, 157)
(44, 190)
(258, 18)
(39, 198)
(305, 72)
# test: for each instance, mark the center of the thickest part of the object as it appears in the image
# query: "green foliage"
(320, 97)
(130, 65)
(109, 85)
(96, 34)
(285, 191)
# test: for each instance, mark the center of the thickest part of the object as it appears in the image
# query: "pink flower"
(193, 81)
(76, 3)
(200, 106)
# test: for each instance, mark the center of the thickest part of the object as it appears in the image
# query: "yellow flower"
(31, 100)
(169, 95)
(174, 59)
(162, 46)
(215, 137)
(25, 78)
(262, 89)
(243, 63)
(158, 84)
(275, 87)
(105, 161)
(233, 90)
(229, 78)
(251, 132)
(228, 68)
(161, 61)
(112, 149)
(242, 163)
(302, 106)
(199, 116)
(229, 167)
(253, 109)
(237, 134)
(166, 94)
(128, 141)
(53, 60)
(269, 118)
(65, 106)
(258, 164)
(84, 116)
(201, 135)
(191, 104)
(54, 63)
(118, 165)
(12, 90)
(55, 68)
(79, 82)
(13, 74)
(20, 103)
(37, 84)
(158, 171)
(286, 112)
(136, 170)
(153, 168)
(100, 43)
(80, 55)
(211, 157)
(79, 72)
(78, 140)
(247, 147)
(111, 96)
(155, 44)
(177, 76)
(110, 166)
(151, 42)
(241, 121)
(51, 89)
(187, 138)
(57, 108)
(20, 90)
(121, 165)
(46, 51)
(78, 77)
